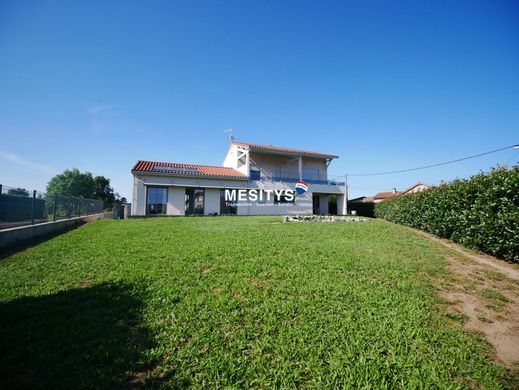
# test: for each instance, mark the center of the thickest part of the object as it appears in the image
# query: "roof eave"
(204, 176)
(282, 153)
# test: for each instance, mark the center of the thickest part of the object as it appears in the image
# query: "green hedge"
(481, 212)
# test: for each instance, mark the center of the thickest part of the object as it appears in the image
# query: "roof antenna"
(229, 131)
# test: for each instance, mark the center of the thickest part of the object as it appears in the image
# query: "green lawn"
(234, 302)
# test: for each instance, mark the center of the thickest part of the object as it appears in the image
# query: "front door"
(315, 203)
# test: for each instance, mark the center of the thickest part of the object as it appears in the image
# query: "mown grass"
(234, 302)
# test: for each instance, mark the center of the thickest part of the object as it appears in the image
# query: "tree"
(102, 190)
(72, 183)
(18, 192)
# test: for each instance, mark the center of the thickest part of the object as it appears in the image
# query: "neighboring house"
(417, 187)
(382, 196)
(161, 188)
(361, 199)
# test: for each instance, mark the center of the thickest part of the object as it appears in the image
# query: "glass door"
(156, 200)
(194, 201)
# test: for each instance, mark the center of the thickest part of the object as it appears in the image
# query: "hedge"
(481, 212)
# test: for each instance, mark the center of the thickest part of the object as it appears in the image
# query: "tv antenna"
(229, 131)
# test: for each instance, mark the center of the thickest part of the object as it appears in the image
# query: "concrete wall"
(138, 197)
(212, 201)
(9, 237)
(341, 204)
(176, 201)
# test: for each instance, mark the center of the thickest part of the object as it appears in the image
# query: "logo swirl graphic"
(301, 187)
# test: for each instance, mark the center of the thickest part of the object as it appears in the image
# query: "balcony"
(293, 177)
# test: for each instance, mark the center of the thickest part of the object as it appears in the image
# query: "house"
(253, 179)
(382, 196)
(417, 187)
(361, 199)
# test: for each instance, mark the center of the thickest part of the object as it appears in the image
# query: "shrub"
(481, 212)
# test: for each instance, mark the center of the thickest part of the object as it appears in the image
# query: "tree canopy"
(18, 192)
(72, 182)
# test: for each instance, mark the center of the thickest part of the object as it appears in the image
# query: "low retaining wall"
(12, 236)
(322, 218)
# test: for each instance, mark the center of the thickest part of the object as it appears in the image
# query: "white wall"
(212, 201)
(138, 197)
(341, 204)
(176, 201)
(177, 185)
(229, 160)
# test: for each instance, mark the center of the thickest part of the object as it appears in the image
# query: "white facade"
(277, 171)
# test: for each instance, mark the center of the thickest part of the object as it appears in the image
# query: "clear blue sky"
(384, 84)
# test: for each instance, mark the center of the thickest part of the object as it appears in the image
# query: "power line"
(434, 165)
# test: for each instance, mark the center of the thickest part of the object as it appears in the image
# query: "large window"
(194, 201)
(156, 200)
(227, 207)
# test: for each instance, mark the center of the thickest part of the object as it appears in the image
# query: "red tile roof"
(386, 195)
(271, 148)
(187, 169)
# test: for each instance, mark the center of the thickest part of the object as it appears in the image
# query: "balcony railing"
(293, 177)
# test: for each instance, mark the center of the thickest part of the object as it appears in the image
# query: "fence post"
(32, 206)
(79, 208)
(69, 205)
(55, 206)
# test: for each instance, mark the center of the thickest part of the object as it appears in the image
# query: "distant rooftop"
(386, 195)
(187, 169)
(270, 148)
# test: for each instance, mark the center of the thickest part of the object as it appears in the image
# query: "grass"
(493, 294)
(234, 302)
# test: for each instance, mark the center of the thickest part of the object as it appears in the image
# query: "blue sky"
(385, 85)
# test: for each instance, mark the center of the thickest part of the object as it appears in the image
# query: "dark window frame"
(164, 209)
(186, 206)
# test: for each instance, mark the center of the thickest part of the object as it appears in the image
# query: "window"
(156, 200)
(255, 175)
(194, 201)
(226, 207)
(283, 199)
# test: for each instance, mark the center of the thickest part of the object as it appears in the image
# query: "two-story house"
(254, 180)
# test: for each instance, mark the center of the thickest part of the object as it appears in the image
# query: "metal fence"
(19, 207)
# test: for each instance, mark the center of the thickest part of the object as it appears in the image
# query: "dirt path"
(510, 270)
(482, 293)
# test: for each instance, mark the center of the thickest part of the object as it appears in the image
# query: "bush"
(481, 212)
